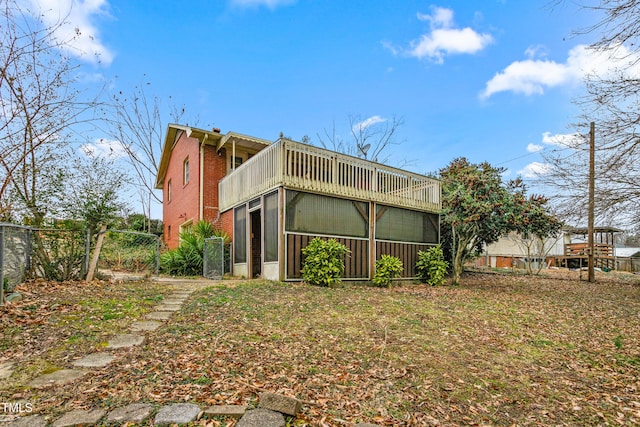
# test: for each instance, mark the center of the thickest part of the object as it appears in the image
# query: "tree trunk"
(96, 254)
(457, 264)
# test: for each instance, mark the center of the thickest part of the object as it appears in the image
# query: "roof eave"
(204, 136)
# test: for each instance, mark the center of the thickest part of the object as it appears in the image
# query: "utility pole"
(592, 179)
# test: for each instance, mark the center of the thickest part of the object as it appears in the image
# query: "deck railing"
(582, 249)
(307, 168)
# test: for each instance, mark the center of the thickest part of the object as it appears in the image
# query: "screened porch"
(307, 168)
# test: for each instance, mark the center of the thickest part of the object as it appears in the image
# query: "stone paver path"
(233, 411)
(125, 341)
(261, 418)
(177, 413)
(270, 413)
(95, 360)
(159, 315)
(80, 417)
(6, 369)
(28, 421)
(145, 326)
(134, 413)
(168, 307)
(62, 376)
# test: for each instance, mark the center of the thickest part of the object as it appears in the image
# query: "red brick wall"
(226, 222)
(185, 198)
(214, 171)
(215, 168)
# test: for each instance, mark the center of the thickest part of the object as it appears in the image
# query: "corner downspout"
(201, 190)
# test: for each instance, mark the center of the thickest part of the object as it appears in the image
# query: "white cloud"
(360, 126)
(534, 148)
(533, 76)
(534, 170)
(441, 17)
(91, 77)
(444, 38)
(106, 148)
(567, 140)
(271, 4)
(536, 51)
(75, 26)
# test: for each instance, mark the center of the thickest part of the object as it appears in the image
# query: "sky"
(490, 80)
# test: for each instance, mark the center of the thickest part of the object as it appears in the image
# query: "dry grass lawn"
(497, 350)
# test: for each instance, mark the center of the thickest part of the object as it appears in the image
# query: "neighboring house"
(570, 249)
(273, 198)
(509, 251)
(627, 259)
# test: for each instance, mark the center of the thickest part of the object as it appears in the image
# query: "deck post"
(592, 274)
(282, 252)
(372, 239)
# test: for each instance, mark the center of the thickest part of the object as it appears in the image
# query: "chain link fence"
(15, 243)
(59, 254)
(126, 251)
(56, 254)
(213, 259)
(63, 254)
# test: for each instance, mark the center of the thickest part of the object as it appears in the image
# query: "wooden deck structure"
(576, 254)
(303, 167)
(290, 192)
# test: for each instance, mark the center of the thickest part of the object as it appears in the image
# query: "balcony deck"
(307, 168)
(577, 254)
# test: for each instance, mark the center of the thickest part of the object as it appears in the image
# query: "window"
(403, 225)
(169, 191)
(168, 232)
(316, 214)
(240, 235)
(237, 161)
(186, 226)
(185, 169)
(271, 227)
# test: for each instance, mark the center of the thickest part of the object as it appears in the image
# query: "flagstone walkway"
(271, 411)
(135, 412)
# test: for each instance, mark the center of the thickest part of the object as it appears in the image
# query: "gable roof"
(627, 252)
(585, 230)
(213, 137)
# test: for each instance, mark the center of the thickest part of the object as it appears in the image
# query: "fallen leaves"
(497, 350)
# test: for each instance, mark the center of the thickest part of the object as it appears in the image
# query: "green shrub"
(387, 268)
(323, 262)
(186, 259)
(431, 267)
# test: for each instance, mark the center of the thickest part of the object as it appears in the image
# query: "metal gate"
(213, 258)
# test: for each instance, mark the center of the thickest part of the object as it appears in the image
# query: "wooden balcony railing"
(581, 249)
(307, 168)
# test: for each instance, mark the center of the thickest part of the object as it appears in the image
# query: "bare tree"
(612, 101)
(39, 105)
(370, 138)
(136, 120)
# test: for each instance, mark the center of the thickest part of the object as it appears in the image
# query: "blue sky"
(490, 80)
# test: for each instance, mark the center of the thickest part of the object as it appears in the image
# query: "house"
(511, 251)
(627, 259)
(568, 249)
(274, 197)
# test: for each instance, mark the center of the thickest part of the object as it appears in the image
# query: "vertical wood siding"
(356, 262)
(406, 252)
